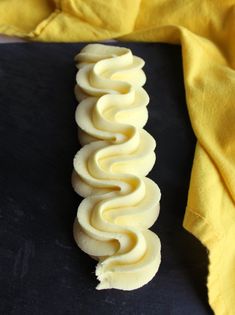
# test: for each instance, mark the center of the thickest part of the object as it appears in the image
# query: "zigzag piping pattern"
(120, 203)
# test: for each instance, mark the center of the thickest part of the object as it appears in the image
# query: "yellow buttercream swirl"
(121, 203)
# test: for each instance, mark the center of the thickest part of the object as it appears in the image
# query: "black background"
(41, 269)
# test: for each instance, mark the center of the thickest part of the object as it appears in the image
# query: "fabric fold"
(213, 223)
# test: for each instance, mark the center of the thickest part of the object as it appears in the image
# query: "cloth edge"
(198, 226)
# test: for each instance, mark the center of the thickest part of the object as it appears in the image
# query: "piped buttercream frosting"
(120, 203)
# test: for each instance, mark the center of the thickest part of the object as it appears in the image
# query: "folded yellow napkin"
(206, 32)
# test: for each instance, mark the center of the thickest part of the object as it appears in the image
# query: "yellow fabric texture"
(206, 32)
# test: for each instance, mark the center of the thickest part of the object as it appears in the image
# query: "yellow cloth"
(206, 32)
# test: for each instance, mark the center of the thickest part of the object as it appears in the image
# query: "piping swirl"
(120, 203)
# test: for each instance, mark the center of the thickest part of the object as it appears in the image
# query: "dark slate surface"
(42, 270)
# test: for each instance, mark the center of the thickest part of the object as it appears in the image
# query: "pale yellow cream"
(120, 203)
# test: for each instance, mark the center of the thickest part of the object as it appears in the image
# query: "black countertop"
(42, 271)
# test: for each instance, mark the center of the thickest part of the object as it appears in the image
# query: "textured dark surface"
(41, 269)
